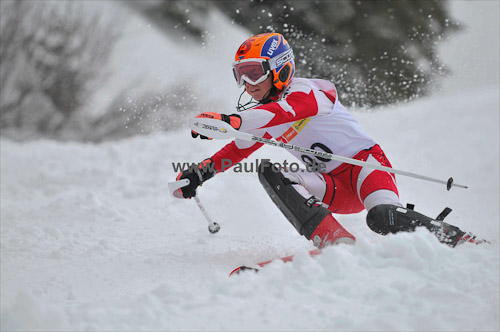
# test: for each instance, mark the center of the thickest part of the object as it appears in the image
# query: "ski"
(463, 237)
(243, 268)
(447, 234)
(471, 238)
(286, 259)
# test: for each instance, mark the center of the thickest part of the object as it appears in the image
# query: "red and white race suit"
(308, 114)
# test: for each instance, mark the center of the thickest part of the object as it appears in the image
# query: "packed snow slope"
(91, 239)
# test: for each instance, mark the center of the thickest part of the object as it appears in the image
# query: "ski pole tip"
(450, 184)
(214, 228)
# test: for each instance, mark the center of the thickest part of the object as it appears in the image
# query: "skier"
(307, 112)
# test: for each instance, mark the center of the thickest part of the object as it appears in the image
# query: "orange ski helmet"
(261, 55)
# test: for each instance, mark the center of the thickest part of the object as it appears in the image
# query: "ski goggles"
(253, 71)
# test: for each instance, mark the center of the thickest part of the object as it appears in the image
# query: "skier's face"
(259, 91)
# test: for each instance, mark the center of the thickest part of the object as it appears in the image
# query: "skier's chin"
(261, 96)
(256, 93)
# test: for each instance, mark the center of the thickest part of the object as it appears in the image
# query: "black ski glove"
(234, 120)
(196, 176)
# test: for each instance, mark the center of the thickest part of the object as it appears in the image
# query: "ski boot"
(386, 218)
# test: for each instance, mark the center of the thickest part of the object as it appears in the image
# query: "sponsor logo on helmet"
(284, 58)
(245, 47)
(273, 47)
(281, 59)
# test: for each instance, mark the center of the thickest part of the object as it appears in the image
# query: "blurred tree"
(377, 51)
(49, 55)
(187, 17)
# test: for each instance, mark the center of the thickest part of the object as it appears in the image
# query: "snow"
(161, 62)
(473, 53)
(91, 239)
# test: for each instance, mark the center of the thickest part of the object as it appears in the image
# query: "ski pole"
(221, 130)
(213, 227)
(174, 187)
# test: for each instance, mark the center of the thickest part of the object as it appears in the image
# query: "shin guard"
(308, 216)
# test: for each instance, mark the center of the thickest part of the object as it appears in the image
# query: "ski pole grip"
(174, 187)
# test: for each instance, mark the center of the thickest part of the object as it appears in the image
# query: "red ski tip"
(286, 259)
(235, 271)
(242, 268)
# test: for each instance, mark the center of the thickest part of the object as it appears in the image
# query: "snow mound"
(91, 239)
